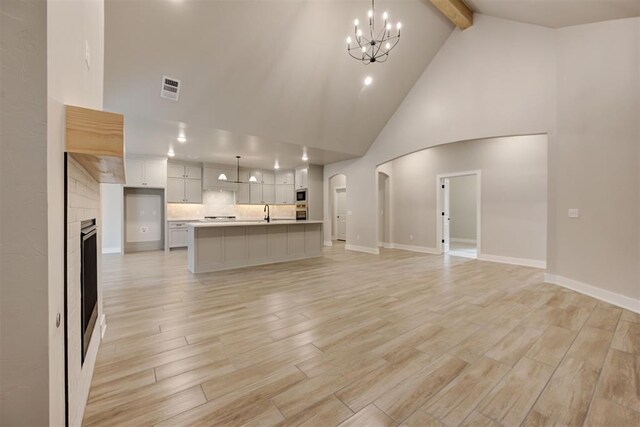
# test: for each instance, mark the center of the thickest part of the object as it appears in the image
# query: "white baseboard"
(387, 245)
(103, 325)
(366, 249)
(456, 240)
(515, 261)
(412, 248)
(623, 301)
(328, 243)
(111, 250)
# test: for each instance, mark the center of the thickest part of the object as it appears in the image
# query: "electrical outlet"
(87, 54)
(410, 236)
(574, 213)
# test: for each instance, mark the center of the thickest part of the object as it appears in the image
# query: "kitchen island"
(215, 246)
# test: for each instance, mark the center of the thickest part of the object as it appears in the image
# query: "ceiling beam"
(457, 12)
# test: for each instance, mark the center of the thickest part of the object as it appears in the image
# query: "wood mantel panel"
(96, 140)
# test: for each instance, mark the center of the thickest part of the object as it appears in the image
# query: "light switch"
(574, 213)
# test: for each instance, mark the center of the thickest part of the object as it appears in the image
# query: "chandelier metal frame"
(376, 48)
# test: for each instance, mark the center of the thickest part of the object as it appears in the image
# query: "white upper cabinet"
(192, 190)
(151, 173)
(184, 184)
(255, 193)
(301, 180)
(242, 195)
(135, 172)
(155, 172)
(284, 194)
(175, 170)
(284, 177)
(193, 172)
(268, 177)
(175, 190)
(269, 194)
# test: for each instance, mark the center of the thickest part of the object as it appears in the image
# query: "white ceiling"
(557, 13)
(269, 79)
(260, 78)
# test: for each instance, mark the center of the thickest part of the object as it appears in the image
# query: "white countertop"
(249, 223)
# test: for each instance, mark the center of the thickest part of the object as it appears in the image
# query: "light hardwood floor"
(353, 339)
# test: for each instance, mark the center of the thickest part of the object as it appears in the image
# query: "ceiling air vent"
(170, 88)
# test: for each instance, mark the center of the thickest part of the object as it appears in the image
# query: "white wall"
(495, 78)
(69, 24)
(513, 196)
(463, 209)
(24, 300)
(597, 160)
(111, 201)
(499, 78)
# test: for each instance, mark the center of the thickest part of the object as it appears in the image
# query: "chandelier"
(378, 44)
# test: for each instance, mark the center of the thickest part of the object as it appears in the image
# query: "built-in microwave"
(301, 196)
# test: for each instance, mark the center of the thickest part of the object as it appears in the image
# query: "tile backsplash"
(222, 203)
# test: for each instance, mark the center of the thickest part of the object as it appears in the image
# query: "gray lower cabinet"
(178, 235)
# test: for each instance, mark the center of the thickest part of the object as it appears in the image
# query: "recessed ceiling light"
(368, 80)
(304, 158)
(171, 152)
(182, 139)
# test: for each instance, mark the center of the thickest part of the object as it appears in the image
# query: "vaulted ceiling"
(271, 79)
(260, 78)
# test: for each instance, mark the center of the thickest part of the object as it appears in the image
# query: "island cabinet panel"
(209, 246)
(313, 237)
(277, 240)
(235, 245)
(295, 240)
(258, 243)
(214, 247)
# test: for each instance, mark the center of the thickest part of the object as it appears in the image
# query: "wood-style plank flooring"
(354, 339)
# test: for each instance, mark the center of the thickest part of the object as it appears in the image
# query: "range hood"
(96, 140)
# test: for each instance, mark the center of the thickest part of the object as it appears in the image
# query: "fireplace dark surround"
(89, 281)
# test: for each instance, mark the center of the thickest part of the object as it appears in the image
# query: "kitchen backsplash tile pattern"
(222, 203)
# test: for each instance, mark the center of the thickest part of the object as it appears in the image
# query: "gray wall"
(513, 196)
(596, 164)
(463, 207)
(24, 311)
(506, 78)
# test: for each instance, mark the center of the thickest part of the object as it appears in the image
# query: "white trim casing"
(412, 248)
(111, 250)
(623, 301)
(526, 262)
(365, 249)
(440, 203)
(103, 325)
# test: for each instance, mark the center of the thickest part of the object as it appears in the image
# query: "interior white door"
(446, 215)
(341, 213)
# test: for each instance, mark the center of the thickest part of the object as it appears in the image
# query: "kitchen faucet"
(267, 216)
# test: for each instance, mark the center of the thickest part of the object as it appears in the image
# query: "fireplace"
(88, 281)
